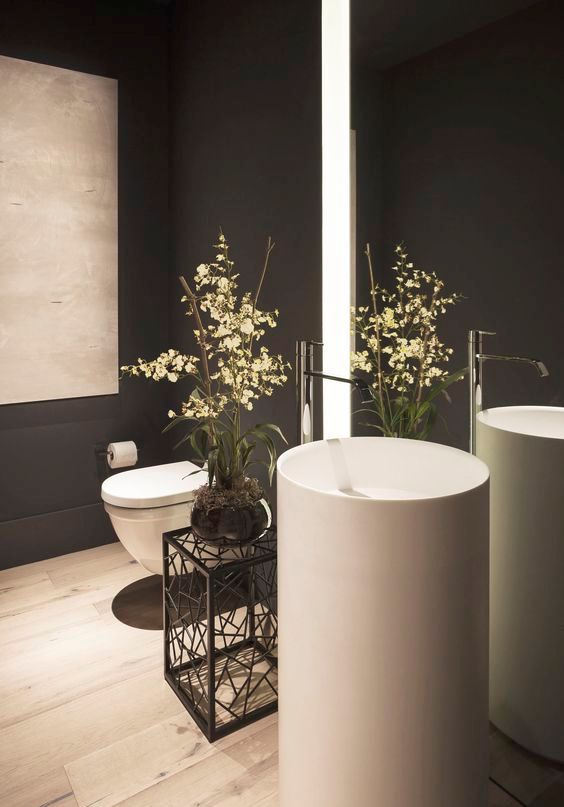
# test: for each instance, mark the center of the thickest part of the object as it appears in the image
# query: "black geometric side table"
(220, 629)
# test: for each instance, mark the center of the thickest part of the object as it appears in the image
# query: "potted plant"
(233, 369)
(401, 350)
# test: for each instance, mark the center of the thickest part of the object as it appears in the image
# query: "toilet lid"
(156, 486)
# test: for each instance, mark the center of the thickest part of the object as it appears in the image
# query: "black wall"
(459, 154)
(238, 147)
(473, 182)
(49, 480)
(246, 156)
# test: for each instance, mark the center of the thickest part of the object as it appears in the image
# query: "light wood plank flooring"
(86, 719)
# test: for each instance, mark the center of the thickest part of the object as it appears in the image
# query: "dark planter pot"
(228, 526)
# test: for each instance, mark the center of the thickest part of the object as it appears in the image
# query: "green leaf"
(422, 409)
(197, 471)
(184, 439)
(374, 426)
(446, 382)
(176, 422)
(212, 463)
(430, 422)
(226, 451)
(273, 427)
(230, 419)
(272, 453)
(263, 428)
(246, 454)
(197, 447)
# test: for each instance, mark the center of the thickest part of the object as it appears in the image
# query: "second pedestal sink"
(383, 614)
(524, 448)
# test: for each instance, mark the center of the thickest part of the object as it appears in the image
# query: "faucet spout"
(305, 374)
(476, 359)
(538, 365)
(358, 383)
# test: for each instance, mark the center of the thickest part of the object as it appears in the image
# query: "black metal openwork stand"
(220, 629)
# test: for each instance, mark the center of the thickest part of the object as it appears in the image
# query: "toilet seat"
(145, 515)
(153, 487)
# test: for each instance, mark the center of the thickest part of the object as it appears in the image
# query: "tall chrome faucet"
(305, 374)
(476, 359)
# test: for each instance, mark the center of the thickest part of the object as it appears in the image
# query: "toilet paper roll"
(122, 455)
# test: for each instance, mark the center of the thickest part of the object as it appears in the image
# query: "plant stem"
(237, 450)
(237, 419)
(269, 247)
(424, 351)
(377, 326)
(201, 341)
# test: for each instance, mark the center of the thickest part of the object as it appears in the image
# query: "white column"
(336, 297)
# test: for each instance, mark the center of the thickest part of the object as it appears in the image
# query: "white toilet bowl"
(145, 502)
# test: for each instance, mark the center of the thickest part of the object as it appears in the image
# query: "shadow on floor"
(140, 605)
(529, 779)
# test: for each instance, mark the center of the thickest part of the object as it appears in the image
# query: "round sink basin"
(383, 618)
(536, 421)
(524, 448)
(382, 469)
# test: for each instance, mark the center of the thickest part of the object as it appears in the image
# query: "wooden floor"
(86, 718)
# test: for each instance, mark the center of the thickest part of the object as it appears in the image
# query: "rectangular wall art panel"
(58, 233)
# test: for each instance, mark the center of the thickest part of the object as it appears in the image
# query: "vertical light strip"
(335, 43)
(352, 265)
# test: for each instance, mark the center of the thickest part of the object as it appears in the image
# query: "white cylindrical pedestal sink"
(524, 448)
(383, 618)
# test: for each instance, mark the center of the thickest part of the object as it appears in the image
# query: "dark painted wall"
(246, 155)
(473, 182)
(387, 32)
(49, 481)
(368, 120)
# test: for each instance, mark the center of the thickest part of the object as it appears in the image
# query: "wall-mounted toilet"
(145, 502)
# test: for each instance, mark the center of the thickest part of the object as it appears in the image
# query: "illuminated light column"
(336, 296)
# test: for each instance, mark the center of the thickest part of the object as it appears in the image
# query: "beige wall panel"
(58, 233)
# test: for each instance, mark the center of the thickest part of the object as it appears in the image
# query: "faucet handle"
(476, 335)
